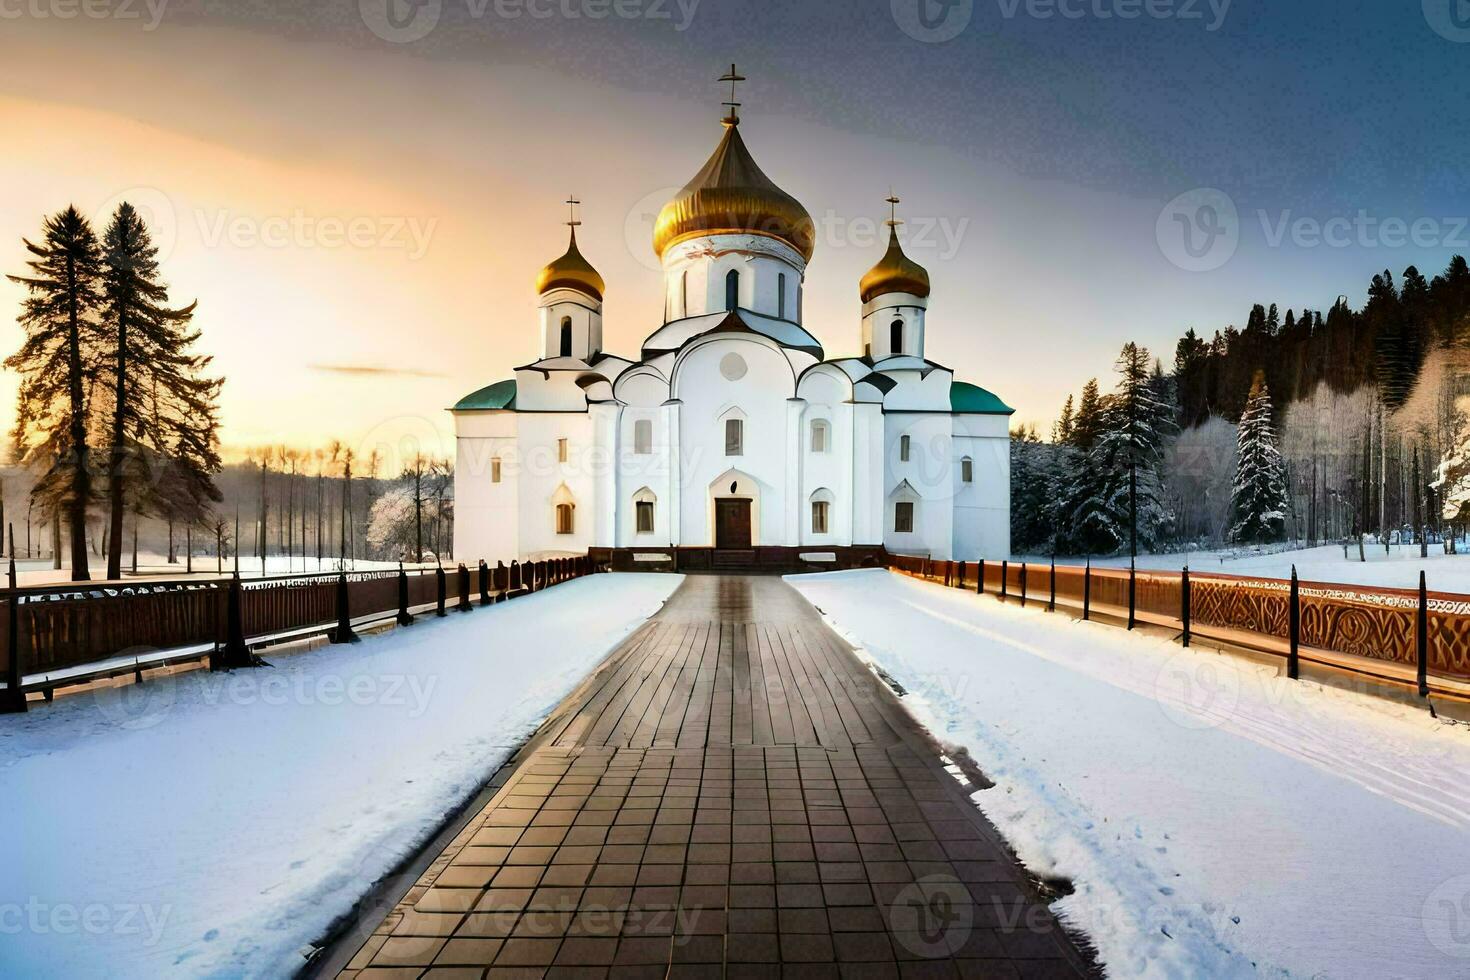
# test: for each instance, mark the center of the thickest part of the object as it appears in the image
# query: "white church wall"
(697, 268)
(638, 472)
(877, 324)
(586, 321)
(543, 476)
(826, 392)
(983, 509)
(549, 391)
(485, 512)
(928, 472)
(755, 381)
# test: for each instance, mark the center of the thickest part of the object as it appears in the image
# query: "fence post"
(1087, 590)
(1004, 575)
(464, 589)
(1051, 602)
(236, 653)
(1184, 604)
(1132, 590)
(960, 582)
(439, 591)
(15, 697)
(1023, 585)
(343, 633)
(502, 581)
(405, 618)
(1294, 629)
(1422, 636)
(513, 584)
(980, 577)
(12, 558)
(485, 599)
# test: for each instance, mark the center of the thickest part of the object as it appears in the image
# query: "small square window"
(564, 519)
(903, 449)
(643, 509)
(734, 437)
(561, 450)
(495, 470)
(643, 437)
(819, 516)
(967, 470)
(903, 517)
(819, 437)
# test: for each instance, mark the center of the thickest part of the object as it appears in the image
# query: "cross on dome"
(732, 76)
(571, 203)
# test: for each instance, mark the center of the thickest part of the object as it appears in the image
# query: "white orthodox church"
(731, 439)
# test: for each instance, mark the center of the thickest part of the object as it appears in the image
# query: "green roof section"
(974, 400)
(500, 395)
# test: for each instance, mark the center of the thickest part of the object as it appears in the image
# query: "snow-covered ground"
(210, 825)
(38, 571)
(1398, 569)
(1217, 821)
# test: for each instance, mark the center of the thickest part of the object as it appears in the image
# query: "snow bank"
(1215, 819)
(1399, 569)
(210, 825)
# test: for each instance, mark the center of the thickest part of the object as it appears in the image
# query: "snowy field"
(1398, 569)
(219, 823)
(38, 571)
(1217, 821)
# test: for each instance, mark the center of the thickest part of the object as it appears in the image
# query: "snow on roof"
(674, 335)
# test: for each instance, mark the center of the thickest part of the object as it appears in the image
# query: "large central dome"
(731, 196)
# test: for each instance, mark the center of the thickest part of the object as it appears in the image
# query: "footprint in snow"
(211, 935)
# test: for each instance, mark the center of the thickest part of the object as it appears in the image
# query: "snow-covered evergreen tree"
(1258, 497)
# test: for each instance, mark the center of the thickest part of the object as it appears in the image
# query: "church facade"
(731, 429)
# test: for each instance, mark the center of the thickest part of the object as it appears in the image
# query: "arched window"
(643, 437)
(734, 437)
(566, 336)
(895, 337)
(821, 511)
(643, 502)
(903, 449)
(732, 289)
(967, 470)
(564, 513)
(781, 296)
(820, 432)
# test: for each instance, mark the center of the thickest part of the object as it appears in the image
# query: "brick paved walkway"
(731, 794)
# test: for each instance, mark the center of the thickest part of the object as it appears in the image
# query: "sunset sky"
(361, 219)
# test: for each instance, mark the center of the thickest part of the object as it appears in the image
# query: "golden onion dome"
(894, 273)
(730, 195)
(572, 272)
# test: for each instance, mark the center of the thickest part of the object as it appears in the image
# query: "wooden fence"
(1413, 639)
(66, 633)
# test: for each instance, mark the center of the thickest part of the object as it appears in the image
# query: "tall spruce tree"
(1258, 496)
(162, 405)
(57, 362)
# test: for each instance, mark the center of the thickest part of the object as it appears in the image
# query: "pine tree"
(1085, 426)
(161, 403)
(58, 362)
(1258, 497)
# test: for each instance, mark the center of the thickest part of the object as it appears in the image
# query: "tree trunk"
(81, 481)
(118, 455)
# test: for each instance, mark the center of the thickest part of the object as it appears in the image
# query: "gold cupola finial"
(571, 271)
(895, 271)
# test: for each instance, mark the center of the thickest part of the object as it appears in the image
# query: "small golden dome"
(730, 195)
(894, 273)
(572, 272)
